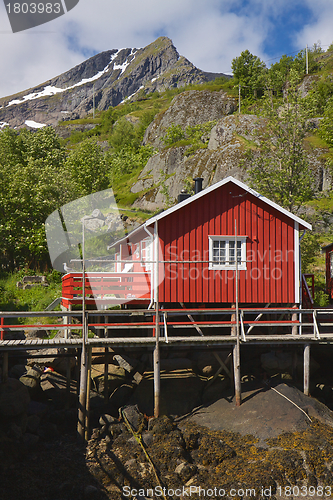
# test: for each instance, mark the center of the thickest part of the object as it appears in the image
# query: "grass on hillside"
(37, 298)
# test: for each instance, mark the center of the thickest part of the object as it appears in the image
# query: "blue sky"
(210, 33)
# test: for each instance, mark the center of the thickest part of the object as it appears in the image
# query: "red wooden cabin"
(197, 242)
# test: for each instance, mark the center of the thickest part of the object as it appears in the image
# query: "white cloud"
(209, 33)
(319, 26)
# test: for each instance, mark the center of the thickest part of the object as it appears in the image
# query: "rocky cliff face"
(108, 78)
(190, 108)
(168, 171)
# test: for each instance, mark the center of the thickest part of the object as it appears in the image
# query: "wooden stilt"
(236, 359)
(86, 434)
(156, 362)
(83, 381)
(233, 318)
(237, 374)
(82, 395)
(306, 376)
(294, 317)
(77, 372)
(106, 375)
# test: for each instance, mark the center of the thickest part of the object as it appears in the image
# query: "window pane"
(231, 252)
(219, 255)
(239, 252)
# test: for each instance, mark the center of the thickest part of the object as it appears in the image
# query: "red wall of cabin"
(269, 278)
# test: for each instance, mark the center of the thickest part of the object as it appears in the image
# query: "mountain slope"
(107, 78)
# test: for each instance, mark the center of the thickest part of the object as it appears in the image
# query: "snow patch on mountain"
(32, 124)
(51, 90)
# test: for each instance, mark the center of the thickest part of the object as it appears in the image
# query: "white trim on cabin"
(297, 263)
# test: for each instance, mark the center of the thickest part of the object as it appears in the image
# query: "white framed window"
(331, 264)
(223, 251)
(147, 253)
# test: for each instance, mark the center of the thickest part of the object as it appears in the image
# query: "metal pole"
(236, 349)
(156, 354)
(84, 360)
(306, 375)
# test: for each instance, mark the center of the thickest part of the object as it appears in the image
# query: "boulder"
(14, 398)
(31, 379)
(35, 333)
(134, 417)
(189, 109)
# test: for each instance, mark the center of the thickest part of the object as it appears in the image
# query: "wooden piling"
(236, 358)
(106, 375)
(87, 412)
(156, 362)
(82, 395)
(306, 375)
(294, 317)
(237, 374)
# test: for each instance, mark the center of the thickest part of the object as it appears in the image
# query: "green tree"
(249, 71)
(277, 74)
(279, 168)
(127, 160)
(173, 134)
(326, 125)
(124, 135)
(32, 187)
(87, 169)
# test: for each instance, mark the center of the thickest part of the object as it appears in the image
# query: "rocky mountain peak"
(107, 78)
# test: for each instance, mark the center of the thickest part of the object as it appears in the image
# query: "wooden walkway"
(177, 327)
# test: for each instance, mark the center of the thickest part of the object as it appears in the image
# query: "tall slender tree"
(279, 167)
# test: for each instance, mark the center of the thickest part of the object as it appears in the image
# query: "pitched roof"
(217, 185)
(208, 190)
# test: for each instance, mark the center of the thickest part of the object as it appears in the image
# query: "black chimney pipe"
(198, 185)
